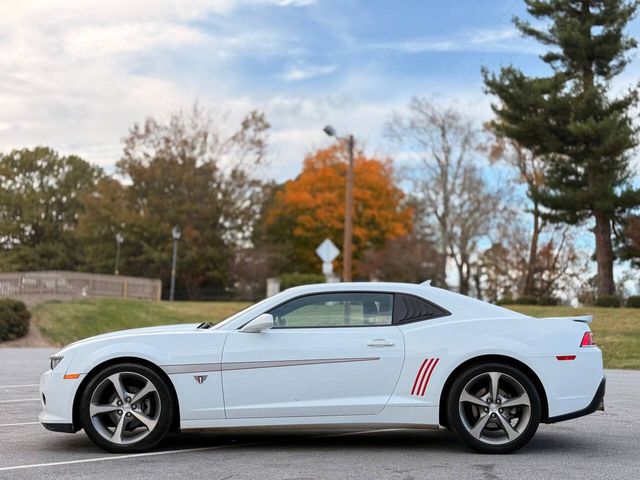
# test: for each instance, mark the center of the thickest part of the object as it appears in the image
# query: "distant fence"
(38, 287)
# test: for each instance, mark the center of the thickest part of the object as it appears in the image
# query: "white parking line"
(116, 457)
(18, 424)
(21, 400)
(20, 386)
(186, 450)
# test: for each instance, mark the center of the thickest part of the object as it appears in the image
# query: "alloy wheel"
(494, 408)
(125, 407)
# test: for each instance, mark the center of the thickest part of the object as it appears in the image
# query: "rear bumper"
(596, 404)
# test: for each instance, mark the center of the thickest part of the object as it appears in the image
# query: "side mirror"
(258, 324)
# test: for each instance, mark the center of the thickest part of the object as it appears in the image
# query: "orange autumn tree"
(311, 208)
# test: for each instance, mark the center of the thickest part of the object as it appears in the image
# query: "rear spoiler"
(583, 319)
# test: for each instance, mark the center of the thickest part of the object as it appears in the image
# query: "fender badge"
(200, 378)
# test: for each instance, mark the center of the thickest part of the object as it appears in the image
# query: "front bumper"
(596, 404)
(56, 396)
(60, 427)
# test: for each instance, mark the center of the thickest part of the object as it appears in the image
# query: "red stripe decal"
(424, 374)
(415, 382)
(433, 367)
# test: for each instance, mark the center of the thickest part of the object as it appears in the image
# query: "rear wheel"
(494, 408)
(126, 408)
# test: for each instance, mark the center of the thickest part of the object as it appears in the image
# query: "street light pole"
(119, 240)
(348, 216)
(347, 242)
(175, 233)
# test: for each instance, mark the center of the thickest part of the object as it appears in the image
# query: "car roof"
(459, 305)
(351, 286)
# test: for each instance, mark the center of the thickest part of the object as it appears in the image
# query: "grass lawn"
(616, 330)
(65, 322)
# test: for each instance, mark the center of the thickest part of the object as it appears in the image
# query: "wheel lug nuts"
(119, 403)
(128, 414)
(119, 412)
(133, 407)
(493, 415)
(486, 409)
(488, 400)
(498, 401)
(500, 410)
(128, 399)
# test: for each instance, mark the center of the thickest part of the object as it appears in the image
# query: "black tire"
(458, 412)
(163, 407)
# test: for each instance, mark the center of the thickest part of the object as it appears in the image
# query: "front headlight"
(54, 360)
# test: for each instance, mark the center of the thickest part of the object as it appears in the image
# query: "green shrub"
(529, 300)
(610, 301)
(526, 301)
(633, 301)
(14, 319)
(289, 280)
(548, 301)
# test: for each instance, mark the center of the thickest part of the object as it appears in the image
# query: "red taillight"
(587, 340)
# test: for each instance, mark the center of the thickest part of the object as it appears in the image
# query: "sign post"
(327, 251)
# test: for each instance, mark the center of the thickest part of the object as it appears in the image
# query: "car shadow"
(435, 441)
(441, 440)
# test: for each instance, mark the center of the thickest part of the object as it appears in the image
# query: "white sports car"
(349, 355)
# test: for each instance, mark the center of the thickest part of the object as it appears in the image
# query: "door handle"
(380, 342)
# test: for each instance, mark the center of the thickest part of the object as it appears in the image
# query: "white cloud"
(283, 3)
(76, 75)
(497, 40)
(297, 73)
(297, 123)
(98, 11)
(100, 41)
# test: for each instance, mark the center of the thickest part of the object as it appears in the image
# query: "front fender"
(87, 358)
(171, 349)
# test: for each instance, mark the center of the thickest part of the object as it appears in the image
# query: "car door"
(327, 354)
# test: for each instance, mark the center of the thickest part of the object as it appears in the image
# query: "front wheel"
(494, 408)
(126, 408)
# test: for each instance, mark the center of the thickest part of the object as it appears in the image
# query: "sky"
(76, 75)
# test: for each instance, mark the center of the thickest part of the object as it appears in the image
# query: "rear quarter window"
(407, 309)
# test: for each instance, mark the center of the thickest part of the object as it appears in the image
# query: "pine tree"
(571, 119)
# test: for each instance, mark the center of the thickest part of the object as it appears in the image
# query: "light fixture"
(329, 130)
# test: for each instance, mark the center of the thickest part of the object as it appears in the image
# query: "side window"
(408, 308)
(335, 310)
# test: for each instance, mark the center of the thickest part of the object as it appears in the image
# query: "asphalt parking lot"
(603, 445)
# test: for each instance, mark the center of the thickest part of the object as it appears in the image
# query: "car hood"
(183, 327)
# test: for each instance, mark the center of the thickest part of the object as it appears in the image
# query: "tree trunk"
(463, 273)
(604, 254)
(477, 283)
(441, 263)
(528, 288)
(440, 279)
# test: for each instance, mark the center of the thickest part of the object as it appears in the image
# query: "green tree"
(40, 202)
(571, 120)
(192, 171)
(106, 213)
